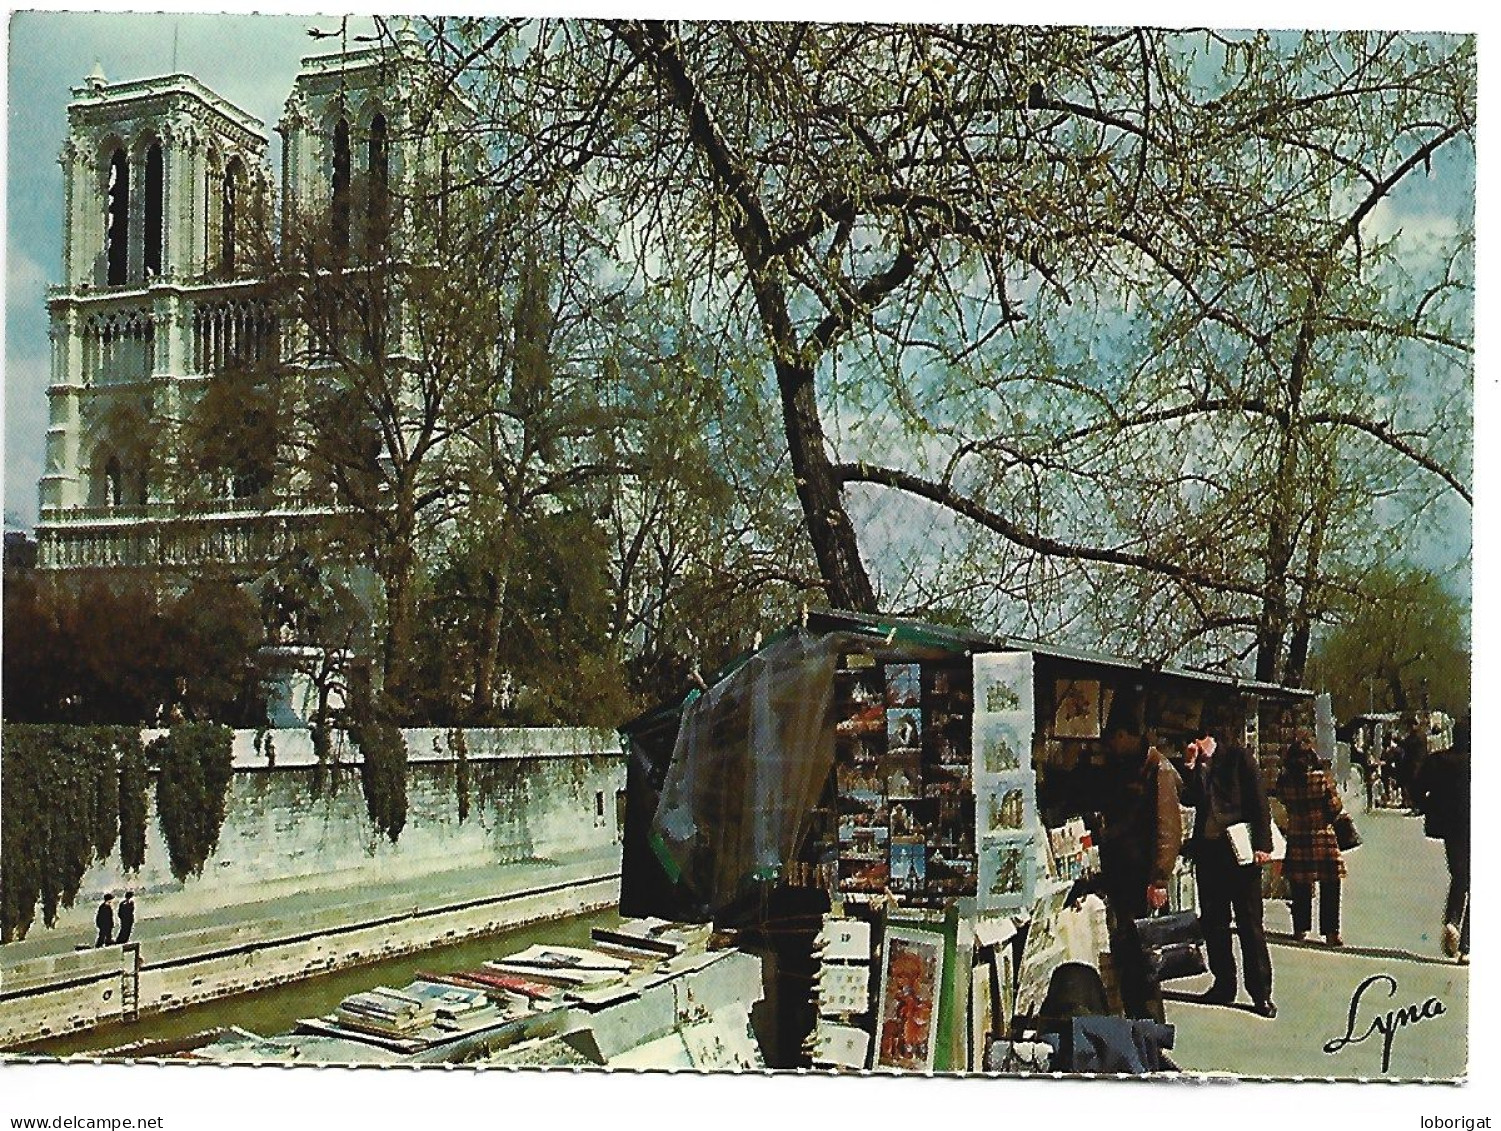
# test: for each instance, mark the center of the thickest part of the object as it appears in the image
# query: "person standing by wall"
(1224, 787)
(104, 919)
(1142, 835)
(1443, 796)
(1313, 855)
(127, 916)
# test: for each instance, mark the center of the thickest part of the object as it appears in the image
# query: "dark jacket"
(1225, 792)
(1143, 826)
(127, 914)
(1443, 795)
(104, 918)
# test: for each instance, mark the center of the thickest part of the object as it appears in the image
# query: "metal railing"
(199, 508)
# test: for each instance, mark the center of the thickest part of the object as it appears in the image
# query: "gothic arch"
(153, 164)
(232, 194)
(120, 454)
(213, 171)
(378, 175)
(115, 174)
(340, 169)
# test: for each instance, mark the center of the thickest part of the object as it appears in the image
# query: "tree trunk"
(489, 648)
(829, 528)
(399, 575)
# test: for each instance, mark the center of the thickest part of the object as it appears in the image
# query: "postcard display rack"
(905, 804)
(941, 864)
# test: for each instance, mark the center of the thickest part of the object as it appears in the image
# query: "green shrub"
(194, 764)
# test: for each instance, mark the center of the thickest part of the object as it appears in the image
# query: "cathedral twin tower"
(165, 185)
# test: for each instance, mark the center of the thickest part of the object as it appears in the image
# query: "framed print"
(903, 685)
(911, 981)
(1076, 708)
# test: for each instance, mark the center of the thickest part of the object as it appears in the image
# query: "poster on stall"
(1045, 950)
(1003, 683)
(1005, 787)
(1008, 871)
(911, 981)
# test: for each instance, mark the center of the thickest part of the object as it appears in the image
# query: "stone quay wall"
(302, 883)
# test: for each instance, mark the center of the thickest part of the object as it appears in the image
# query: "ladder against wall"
(130, 982)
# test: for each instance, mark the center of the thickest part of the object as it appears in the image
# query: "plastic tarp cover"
(752, 755)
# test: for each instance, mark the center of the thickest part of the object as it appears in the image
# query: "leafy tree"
(1116, 297)
(1406, 640)
(212, 630)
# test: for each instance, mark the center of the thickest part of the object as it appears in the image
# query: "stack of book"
(510, 990)
(652, 938)
(566, 966)
(385, 1012)
(452, 1004)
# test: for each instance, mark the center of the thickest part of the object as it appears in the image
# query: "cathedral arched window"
(341, 184)
(151, 259)
(380, 180)
(114, 483)
(229, 204)
(117, 219)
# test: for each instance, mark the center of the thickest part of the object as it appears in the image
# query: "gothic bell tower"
(163, 183)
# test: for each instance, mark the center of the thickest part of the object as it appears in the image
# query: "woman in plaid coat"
(1313, 855)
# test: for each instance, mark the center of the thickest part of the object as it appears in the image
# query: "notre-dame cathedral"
(164, 184)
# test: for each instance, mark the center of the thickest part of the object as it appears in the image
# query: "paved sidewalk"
(1392, 900)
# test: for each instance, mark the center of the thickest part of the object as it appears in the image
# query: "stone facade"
(166, 187)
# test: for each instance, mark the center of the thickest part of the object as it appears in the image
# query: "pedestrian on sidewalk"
(1443, 797)
(1313, 855)
(1140, 841)
(104, 919)
(127, 917)
(1224, 787)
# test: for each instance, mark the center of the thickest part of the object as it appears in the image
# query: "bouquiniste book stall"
(901, 819)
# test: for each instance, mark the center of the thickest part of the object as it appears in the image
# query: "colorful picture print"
(902, 773)
(951, 874)
(903, 685)
(904, 729)
(909, 865)
(1001, 746)
(914, 818)
(860, 775)
(1011, 862)
(868, 877)
(864, 720)
(1006, 809)
(862, 839)
(1000, 697)
(863, 808)
(1076, 710)
(1003, 682)
(910, 984)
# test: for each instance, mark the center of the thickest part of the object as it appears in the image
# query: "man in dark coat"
(127, 916)
(1414, 748)
(1139, 844)
(1225, 789)
(1443, 796)
(104, 919)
